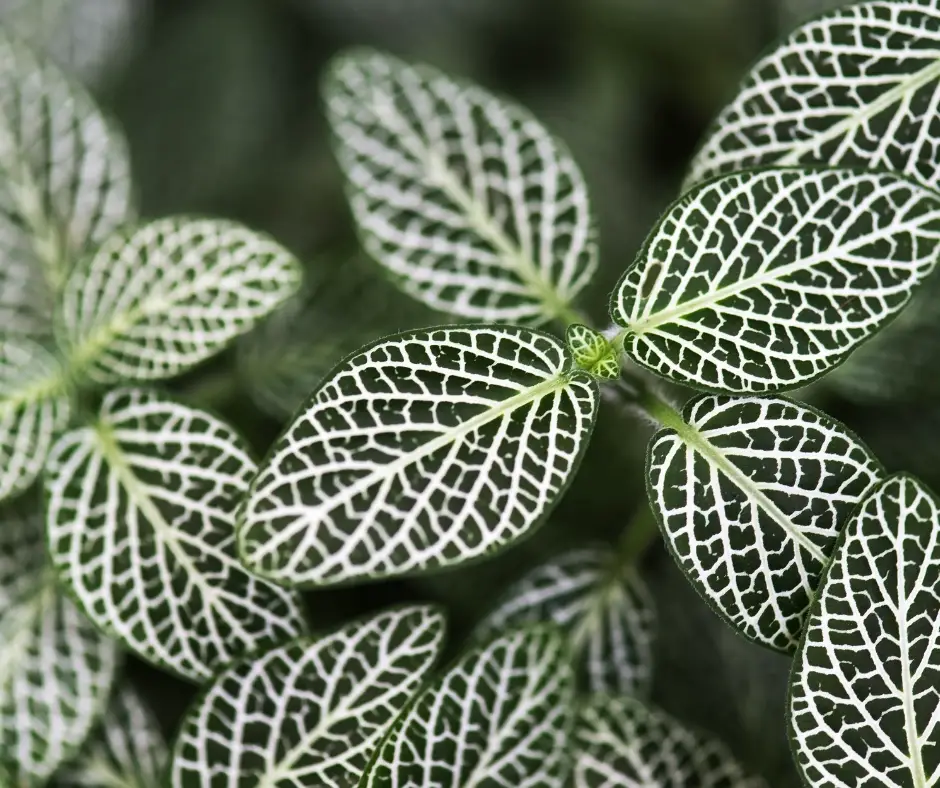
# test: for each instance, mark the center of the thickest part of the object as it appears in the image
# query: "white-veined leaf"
(764, 280)
(66, 184)
(464, 197)
(604, 609)
(623, 743)
(34, 407)
(141, 529)
(56, 670)
(419, 452)
(501, 717)
(127, 751)
(856, 87)
(866, 682)
(751, 494)
(156, 300)
(311, 712)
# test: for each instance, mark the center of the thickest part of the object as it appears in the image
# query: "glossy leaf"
(501, 716)
(141, 529)
(605, 610)
(863, 697)
(463, 196)
(421, 451)
(751, 494)
(764, 280)
(56, 670)
(314, 710)
(623, 743)
(157, 300)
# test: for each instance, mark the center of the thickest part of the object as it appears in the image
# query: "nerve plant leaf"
(857, 87)
(863, 697)
(154, 301)
(751, 494)
(313, 710)
(56, 670)
(140, 519)
(419, 452)
(764, 280)
(34, 406)
(623, 743)
(604, 609)
(464, 197)
(501, 716)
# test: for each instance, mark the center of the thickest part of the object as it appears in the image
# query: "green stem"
(637, 537)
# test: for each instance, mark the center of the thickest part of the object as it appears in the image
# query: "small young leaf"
(863, 696)
(622, 743)
(464, 197)
(419, 452)
(605, 610)
(140, 519)
(751, 494)
(314, 709)
(856, 87)
(501, 716)
(56, 670)
(155, 301)
(592, 352)
(767, 279)
(34, 406)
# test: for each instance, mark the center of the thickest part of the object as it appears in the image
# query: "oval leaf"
(765, 280)
(140, 519)
(464, 197)
(56, 670)
(605, 610)
(314, 709)
(856, 87)
(751, 494)
(155, 301)
(34, 407)
(501, 716)
(863, 697)
(622, 743)
(420, 452)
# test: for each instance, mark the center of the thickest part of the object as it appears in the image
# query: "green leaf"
(66, 184)
(592, 352)
(863, 696)
(311, 712)
(56, 670)
(34, 407)
(751, 494)
(856, 87)
(128, 750)
(419, 452)
(154, 301)
(464, 197)
(140, 520)
(604, 609)
(764, 280)
(623, 743)
(501, 716)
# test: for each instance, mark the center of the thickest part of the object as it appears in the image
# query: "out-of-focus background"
(219, 100)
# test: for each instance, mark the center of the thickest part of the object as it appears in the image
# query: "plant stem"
(637, 537)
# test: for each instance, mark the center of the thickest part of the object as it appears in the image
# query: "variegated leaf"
(764, 280)
(623, 743)
(314, 710)
(751, 493)
(154, 301)
(866, 683)
(463, 196)
(422, 451)
(56, 670)
(501, 717)
(140, 519)
(605, 610)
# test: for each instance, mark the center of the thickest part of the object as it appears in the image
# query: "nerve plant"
(809, 219)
